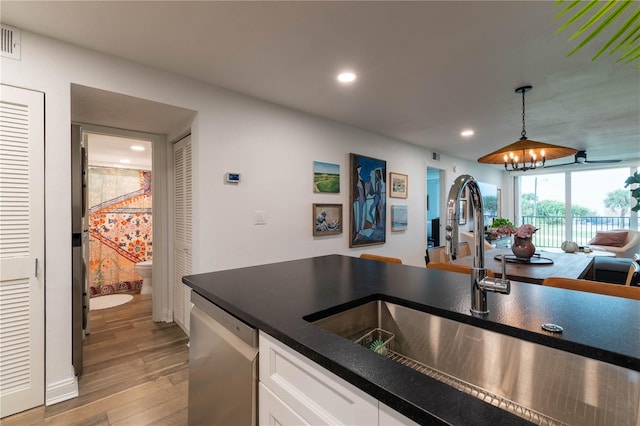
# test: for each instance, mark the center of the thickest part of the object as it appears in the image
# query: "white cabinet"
(273, 411)
(312, 392)
(295, 390)
(390, 417)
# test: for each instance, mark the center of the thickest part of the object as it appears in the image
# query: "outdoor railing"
(551, 229)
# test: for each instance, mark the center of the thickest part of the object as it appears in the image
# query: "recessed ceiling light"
(346, 77)
(125, 161)
(467, 133)
(137, 148)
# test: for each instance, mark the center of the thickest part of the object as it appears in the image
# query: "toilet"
(144, 269)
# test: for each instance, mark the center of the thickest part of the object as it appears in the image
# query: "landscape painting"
(398, 218)
(326, 177)
(368, 200)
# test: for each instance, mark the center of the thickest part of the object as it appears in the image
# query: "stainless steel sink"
(541, 384)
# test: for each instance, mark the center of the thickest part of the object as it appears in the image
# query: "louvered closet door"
(21, 249)
(182, 232)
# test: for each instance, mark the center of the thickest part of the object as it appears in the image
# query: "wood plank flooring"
(135, 373)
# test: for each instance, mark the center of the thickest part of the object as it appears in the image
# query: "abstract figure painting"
(368, 201)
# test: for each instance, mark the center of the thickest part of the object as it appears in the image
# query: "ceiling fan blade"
(559, 165)
(603, 161)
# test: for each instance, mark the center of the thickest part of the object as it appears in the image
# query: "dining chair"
(380, 258)
(629, 292)
(452, 267)
(439, 254)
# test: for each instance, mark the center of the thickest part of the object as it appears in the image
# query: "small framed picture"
(326, 177)
(398, 218)
(398, 185)
(327, 219)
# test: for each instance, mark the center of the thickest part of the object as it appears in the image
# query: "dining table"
(543, 264)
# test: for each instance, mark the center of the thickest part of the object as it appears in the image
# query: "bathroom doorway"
(118, 247)
(435, 178)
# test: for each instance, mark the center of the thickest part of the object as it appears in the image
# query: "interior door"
(182, 232)
(21, 249)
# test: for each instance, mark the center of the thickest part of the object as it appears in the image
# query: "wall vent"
(436, 156)
(10, 42)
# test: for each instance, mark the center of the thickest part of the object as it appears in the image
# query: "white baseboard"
(61, 391)
(168, 316)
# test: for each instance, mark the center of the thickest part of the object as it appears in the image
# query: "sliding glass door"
(573, 205)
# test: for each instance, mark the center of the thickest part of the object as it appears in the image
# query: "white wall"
(271, 146)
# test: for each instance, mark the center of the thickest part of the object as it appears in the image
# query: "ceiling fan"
(581, 158)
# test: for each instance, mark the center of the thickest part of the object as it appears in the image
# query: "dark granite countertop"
(276, 297)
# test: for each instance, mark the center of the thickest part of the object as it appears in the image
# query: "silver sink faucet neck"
(480, 283)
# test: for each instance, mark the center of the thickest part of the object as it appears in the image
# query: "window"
(597, 200)
(542, 204)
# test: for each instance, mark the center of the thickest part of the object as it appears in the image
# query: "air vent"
(436, 156)
(10, 43)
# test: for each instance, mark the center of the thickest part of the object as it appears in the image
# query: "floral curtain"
(120, 225)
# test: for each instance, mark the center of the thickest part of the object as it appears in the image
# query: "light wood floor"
(135, 373)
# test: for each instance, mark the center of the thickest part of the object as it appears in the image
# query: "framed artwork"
(462, 214)
(368, 201)
(326, 177)
(398, 185)
(399, 218)
(327, 219)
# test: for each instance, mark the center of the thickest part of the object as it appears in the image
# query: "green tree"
(580, 211)
(552, 211)
(618, 200)
(528, 204)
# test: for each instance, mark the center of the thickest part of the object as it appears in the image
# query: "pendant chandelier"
(526, 154)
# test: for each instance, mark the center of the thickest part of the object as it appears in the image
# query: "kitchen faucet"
(480, 282)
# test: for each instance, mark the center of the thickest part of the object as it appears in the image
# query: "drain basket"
(380, 335)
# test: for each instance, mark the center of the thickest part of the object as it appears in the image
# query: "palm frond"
(608, 14)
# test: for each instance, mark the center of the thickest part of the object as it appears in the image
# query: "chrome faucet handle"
(502, 284)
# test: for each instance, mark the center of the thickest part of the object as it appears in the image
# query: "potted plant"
(499, 227)
(634, 181)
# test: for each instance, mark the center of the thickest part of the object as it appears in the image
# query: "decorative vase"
(523, 248)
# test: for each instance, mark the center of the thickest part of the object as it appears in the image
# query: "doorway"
(119, 214)
(435, 179)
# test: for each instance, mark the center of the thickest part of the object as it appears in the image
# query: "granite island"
(276, 299)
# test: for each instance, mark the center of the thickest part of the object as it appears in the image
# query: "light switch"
(260, 217)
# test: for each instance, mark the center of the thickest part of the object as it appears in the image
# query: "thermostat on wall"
(233, 177)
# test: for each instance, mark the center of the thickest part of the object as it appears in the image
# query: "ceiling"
(115, 151)
(426, 70)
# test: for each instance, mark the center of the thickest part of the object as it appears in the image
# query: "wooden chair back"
(439, 254)
(380, 258)
(594, 287)
(453, 267)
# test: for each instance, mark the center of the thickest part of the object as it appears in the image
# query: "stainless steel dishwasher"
(223, 367)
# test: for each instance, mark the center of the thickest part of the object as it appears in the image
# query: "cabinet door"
(390, 417)
(273, 411)
(182, 232)
(313, 392)
(21, 249)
